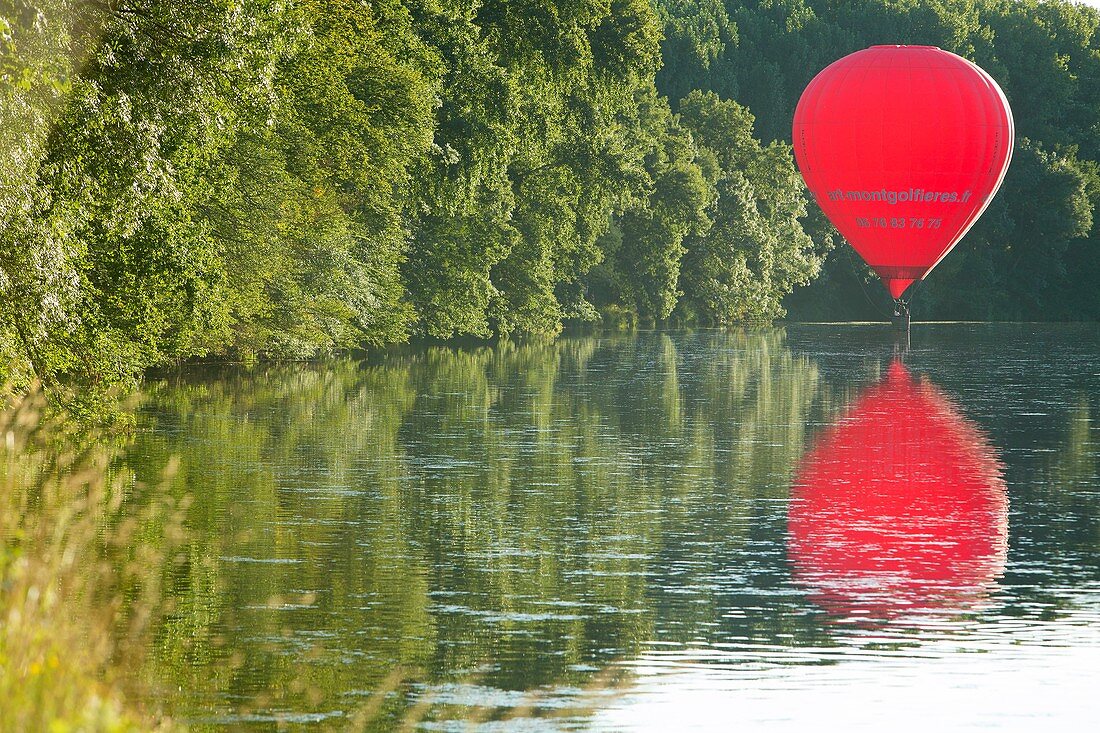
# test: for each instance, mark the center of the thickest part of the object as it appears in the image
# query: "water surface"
(665, 530)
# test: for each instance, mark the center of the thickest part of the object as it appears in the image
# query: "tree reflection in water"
(486, 523)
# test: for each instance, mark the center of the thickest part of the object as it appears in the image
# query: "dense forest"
(281, 178)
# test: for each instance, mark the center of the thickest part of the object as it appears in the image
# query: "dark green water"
(597, 533)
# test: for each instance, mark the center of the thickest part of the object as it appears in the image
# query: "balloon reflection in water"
(900, 507)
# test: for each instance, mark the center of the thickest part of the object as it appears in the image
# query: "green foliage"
(757, 251)
(697, 34)
(262, 179)
(220, 178)
(651, 231)
(532, 153)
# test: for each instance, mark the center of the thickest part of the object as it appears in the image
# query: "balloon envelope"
(900, 507)
(903, 147)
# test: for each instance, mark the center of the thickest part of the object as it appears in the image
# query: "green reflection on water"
(509, 514)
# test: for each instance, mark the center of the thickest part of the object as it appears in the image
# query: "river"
(785, 529)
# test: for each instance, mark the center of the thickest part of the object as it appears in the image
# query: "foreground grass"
(83, 551)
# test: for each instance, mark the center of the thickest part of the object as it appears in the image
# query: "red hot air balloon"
(903, 147)
(900, 507)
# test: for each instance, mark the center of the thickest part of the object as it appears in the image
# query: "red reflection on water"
(900, 507)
